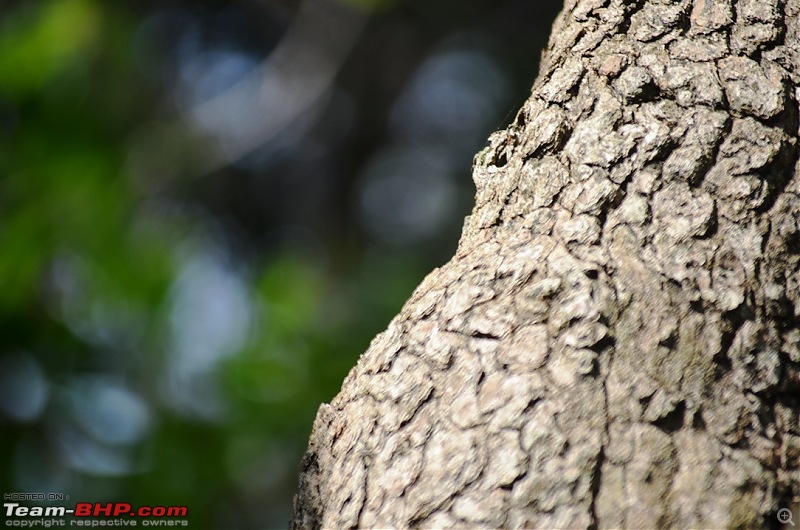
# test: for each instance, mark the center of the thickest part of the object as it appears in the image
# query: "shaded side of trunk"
(616, 341)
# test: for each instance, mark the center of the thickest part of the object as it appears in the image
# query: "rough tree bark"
(616, 342)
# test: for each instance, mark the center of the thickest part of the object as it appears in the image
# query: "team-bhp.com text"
(122, 512)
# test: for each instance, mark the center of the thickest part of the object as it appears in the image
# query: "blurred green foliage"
(88, 264)
(42, 42)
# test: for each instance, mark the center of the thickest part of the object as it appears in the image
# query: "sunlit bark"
(616, 341)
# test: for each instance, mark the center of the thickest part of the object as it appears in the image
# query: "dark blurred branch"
(291, 80)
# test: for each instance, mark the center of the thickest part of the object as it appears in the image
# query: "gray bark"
(616, 341)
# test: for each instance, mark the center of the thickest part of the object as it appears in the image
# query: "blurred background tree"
(208, 209)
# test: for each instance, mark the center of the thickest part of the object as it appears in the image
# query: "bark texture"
(617, 341)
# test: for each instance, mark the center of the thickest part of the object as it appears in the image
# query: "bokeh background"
(208, 209)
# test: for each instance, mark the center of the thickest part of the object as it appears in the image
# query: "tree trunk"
(616, 342)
